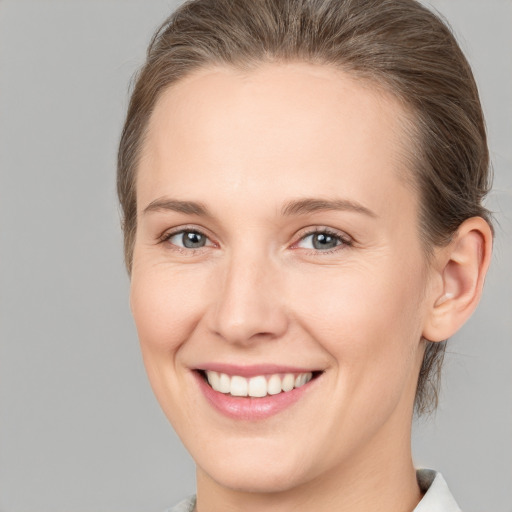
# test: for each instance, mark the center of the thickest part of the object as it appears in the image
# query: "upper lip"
(253, 369)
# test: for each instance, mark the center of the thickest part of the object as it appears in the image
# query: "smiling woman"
(302, 187)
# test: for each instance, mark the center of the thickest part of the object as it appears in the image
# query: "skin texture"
(243, 145)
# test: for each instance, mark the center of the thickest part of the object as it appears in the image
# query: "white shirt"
(437, 497)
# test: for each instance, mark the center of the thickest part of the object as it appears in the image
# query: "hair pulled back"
(398, 45)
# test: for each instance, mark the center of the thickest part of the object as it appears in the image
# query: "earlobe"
(462, 267)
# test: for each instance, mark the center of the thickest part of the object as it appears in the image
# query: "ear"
(459, 273)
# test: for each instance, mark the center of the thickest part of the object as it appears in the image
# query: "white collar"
(437, 497)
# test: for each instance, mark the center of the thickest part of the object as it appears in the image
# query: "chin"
(270, 477)
(253, 465)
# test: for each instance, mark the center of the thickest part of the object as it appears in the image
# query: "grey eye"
(324, 241)
(188, 239)
(320, 241)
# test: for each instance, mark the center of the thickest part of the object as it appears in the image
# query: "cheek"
(370, 324)
(349, 298)
(364, 317)
(166, 306)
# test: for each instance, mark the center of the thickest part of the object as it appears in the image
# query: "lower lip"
(249, 408)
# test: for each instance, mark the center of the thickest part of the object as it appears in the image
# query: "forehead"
(297, 126)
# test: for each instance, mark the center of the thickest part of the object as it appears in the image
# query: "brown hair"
(398, 45)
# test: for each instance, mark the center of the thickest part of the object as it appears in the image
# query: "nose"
(249, 304)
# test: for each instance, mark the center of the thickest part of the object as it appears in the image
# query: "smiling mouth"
(258, 386)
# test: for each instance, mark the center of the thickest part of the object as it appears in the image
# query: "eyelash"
(343, 239)
(189, 251)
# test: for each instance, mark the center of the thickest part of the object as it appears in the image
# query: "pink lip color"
(252, 370)
(248, 408)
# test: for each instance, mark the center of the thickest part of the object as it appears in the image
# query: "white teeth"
(288, 382)
(302, 379)
(258, 386)
(274, 385)
(239, 386)
(224, 383)
(214, 380)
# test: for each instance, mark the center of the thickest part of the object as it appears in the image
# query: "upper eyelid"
(168, 233)
(303, 231)
(324, 229)
(345, 238)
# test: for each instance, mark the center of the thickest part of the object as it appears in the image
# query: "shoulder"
(187, 505)
(437, 497)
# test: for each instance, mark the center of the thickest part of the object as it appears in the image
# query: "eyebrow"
(187, 207)
(291, 208)
(311, 205)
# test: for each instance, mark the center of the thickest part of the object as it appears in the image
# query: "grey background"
(79, 427)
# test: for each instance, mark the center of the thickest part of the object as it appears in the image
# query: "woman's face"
(277, 242)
